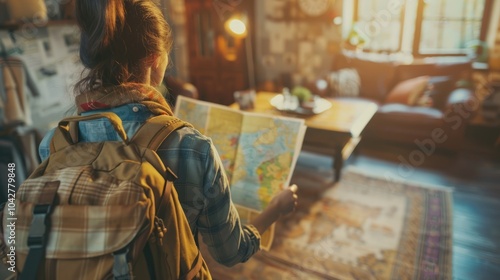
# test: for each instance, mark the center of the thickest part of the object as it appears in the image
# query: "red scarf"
(123, 94)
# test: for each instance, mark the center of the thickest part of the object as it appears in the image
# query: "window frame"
(419, 20)
(485, 22)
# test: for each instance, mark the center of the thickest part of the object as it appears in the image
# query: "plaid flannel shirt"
(202, 186)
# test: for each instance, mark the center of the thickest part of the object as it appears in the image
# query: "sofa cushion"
(400, 111)
(409, 91)
(344, 82)
(425, 100)
(438, 88)
(376, 77)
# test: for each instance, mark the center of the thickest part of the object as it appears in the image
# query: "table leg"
(338, 162)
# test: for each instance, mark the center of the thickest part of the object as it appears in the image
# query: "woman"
(124, 47)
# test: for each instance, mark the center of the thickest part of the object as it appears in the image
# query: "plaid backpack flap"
(98, 210)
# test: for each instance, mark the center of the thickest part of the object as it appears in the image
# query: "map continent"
(264, 160)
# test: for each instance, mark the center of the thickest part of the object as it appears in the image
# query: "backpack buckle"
(38, 228)
(37, 234)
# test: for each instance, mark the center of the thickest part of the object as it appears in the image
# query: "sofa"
(423, 103)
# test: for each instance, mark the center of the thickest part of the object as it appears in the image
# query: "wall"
(290, 43)
(174, 11)
(285, 41)
(50, 54)
(300, 47)
(50, 57)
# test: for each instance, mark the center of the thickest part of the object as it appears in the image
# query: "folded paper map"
(258, 151)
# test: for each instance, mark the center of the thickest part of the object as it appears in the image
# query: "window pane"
(429, 39)
(365, 9)
(369, 8)
(381, 37)
(451, 38)
(472, 30)
(454, 9)
(440, 37)
(390, 37)
(380, 24)
(479, 8)
(432, 9)
(449, 25)
(474, 9)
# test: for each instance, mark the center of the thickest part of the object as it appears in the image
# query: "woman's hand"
(285, 201)
(281, 204)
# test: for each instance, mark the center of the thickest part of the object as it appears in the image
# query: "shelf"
(9, 26)
(13, 26)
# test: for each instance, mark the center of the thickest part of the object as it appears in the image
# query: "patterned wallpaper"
(289, 45)
(293, 48)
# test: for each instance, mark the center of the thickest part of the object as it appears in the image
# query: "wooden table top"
(347, 115)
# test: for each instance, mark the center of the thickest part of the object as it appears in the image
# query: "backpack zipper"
(161, 230)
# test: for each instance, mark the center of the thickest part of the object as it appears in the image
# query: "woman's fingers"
(293, 188)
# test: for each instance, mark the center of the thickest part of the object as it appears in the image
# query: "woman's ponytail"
(117, 37)
(99, 21)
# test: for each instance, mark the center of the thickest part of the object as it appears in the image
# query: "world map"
(258, 151)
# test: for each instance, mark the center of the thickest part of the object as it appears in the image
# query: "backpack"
(101, 210)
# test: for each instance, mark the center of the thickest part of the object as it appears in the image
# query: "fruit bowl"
(291, 104)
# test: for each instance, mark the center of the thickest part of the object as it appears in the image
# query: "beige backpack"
(103, 210)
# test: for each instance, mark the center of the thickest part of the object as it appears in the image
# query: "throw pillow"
(408, 92)
(438, 88)
(425, 100)
(344, 82)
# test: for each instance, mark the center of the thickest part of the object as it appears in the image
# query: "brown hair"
(117, 36)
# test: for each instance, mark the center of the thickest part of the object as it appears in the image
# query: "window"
(419, 27)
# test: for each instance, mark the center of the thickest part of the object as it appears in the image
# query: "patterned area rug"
(363, 227)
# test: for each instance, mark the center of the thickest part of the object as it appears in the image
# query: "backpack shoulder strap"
(65, 134)
(151, 135)
(156, 129)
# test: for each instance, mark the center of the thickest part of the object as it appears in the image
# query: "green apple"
(302, 93)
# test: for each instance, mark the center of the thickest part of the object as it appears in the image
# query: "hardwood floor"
(474, 175)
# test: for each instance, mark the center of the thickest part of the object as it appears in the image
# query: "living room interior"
(424, 76)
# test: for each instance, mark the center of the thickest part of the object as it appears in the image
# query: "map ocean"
(266, 167)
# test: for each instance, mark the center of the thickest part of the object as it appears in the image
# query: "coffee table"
(335, 132)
